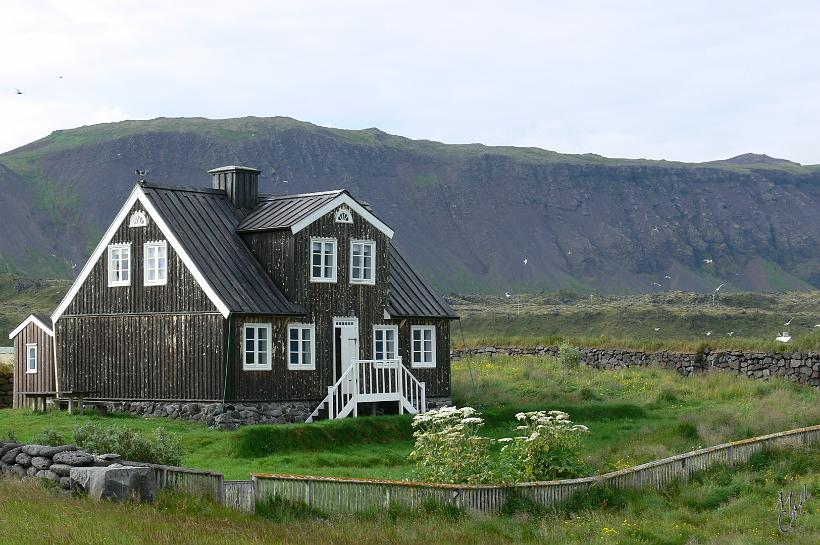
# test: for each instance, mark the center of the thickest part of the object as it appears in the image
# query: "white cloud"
(686, 80)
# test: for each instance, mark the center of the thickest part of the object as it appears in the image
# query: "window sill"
(323, 280)
(257, 368)
(301, 367)
(362, 283)
(155, 283)
(422, 366)
(31, 372)
(118, 284)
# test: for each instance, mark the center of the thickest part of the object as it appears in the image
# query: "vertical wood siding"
(157, 356)
(279, 383)
(436, 379)
(280, 252)
(180, 294)
(43, 379)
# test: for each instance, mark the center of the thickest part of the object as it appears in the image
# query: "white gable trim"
(138, 195)
(343, 199)
(31, 320)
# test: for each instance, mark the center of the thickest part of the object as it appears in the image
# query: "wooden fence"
(353, 495)
(334, 495)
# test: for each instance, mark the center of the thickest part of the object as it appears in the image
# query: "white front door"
(346, 333)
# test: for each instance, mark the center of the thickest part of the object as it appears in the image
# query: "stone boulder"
(63, 470)
(116, 482)
(45, 451)
(74, 458)
(10, 455)
(40, 463)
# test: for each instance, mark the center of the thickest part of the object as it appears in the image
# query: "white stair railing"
(373, 381)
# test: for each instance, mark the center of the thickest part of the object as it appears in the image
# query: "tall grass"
(720, 506)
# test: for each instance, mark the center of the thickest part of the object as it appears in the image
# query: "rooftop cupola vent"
(241, 184)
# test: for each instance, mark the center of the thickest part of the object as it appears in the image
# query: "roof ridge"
(183, 188)
(270, 197)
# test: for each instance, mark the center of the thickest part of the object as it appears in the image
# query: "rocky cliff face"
(468, 216)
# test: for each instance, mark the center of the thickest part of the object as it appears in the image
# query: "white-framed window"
(302, 347)
(156, 263)
(422, 346)
(31, 358)
(323, 260)
(119, 265)
(256, 347)
(385, 342)
(362, 262)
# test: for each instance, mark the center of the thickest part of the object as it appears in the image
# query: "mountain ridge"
(467, 214)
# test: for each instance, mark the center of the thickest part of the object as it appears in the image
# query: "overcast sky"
(686, 80)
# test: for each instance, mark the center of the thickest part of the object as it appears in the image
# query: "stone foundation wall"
(234, 416)
(802, 367)
(6, 387)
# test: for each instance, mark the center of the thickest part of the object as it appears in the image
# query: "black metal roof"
(410, 295)
(281, 212)
(45, 318)
(205, 223)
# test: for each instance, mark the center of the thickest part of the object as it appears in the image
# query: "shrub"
(549, 448)
(158, 447)
(448, 448)
(569, 355)
(50, 437)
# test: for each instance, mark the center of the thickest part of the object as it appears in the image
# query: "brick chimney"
(240, 183)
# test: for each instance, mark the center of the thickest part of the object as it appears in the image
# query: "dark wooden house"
(223, 295)
(33, 360)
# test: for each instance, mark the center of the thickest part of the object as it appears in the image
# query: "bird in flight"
(140, 173)
(526, 261)
(707, 261)
(784, 337)
(708, 333)
(19, 92)
(657, 329)
(817, 325)
(507, 294)
(656, 284)
(717, 289)
(667, 277)
(790, 321)
(731, 333)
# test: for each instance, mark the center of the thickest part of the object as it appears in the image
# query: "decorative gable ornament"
(344, 215)
(138, 219)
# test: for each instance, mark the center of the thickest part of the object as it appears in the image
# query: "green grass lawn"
(721, 506)
(635, 415)
(683, 320)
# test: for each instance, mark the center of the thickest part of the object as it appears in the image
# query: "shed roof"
(411, 295)
(205, 223)
(282, 212)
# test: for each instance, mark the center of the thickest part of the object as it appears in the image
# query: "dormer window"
(323, 260)
(344, 215)
(362, 262)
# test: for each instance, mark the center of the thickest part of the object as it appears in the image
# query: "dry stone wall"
(50, 463)
(802, 367)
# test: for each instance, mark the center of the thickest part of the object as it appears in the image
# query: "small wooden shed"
(33, 359)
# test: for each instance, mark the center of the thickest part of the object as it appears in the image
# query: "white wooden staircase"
(369, 381)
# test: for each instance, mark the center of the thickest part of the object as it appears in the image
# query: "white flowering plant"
(548, 447)
(448, 447)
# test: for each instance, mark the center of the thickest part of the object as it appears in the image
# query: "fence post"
(220, 489)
